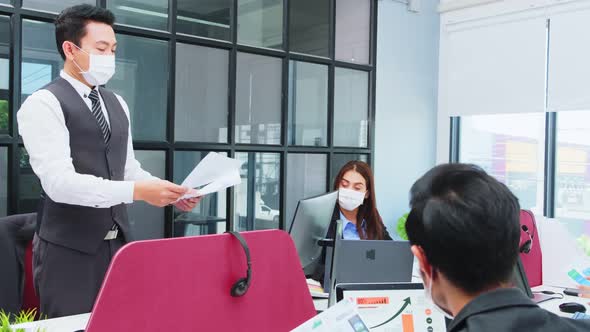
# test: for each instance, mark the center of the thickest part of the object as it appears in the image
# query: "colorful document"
(342, 317)
(577, 277)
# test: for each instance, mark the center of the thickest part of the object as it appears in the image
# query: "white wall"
(406, 102)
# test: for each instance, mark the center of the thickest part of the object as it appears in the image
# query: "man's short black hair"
(70, 24)
(468, 225)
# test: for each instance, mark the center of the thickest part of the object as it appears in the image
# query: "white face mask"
(350, 199)
(100, 69)
(428, 295)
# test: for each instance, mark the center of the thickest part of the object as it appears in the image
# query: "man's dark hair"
(70, 24)
(468, 225)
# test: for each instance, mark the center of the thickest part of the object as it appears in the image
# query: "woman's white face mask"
(349, 199)
(100, 68)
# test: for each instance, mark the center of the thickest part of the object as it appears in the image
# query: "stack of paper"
(316, 289)
(214, 173)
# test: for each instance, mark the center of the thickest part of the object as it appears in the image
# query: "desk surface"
(61, 324)
(553, 305)
(78, 322)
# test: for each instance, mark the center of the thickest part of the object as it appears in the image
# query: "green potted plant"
(24, 316)
(401, 226)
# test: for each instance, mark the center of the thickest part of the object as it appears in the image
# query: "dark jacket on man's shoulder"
(509, 309)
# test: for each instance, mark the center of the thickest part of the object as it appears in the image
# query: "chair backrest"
(533, 260)
(16, 235)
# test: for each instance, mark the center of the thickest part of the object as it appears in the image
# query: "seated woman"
(356, 208)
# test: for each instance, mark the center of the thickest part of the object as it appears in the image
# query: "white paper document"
(214, 173)
(342, 317)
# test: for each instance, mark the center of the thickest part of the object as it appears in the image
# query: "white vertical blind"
(569, 62)
(497, 68)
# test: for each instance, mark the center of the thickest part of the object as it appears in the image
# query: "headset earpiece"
(525, 248)
(241, 286)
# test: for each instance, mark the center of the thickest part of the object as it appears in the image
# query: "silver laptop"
(367, 261)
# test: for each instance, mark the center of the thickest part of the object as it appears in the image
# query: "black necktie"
(97, 112)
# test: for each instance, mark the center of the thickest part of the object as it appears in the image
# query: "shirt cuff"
(123, 191)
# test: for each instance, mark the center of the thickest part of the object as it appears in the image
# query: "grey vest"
(74, 226)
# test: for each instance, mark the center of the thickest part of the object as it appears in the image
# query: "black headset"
(240, 287)
(528, 244)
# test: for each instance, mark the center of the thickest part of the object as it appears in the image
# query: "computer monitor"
(520, 281)
(310, 224)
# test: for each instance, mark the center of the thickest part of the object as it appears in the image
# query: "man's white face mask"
(428, 295)
(100, 68)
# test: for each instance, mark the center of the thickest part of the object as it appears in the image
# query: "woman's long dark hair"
(368, 210)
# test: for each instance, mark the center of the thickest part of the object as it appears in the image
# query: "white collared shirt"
(43, 128)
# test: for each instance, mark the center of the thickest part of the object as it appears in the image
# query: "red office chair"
(530, 249)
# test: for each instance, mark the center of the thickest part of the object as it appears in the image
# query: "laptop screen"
(393, 307)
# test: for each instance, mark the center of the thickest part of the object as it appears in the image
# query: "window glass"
(41, 62)
(52, 5)
(3, 181)
(353, 30)
(257, 198)
(258, 99)
(308, 104)
(205, 18)
(309, 27)
(201, 94)
(29, 186)
(4, 74)
(260, 23)
(209, 217)
(142, 80)
(351, 108)
(510, 148)
(143, 13)
(147, 221)
(306, 178)
(572, 180)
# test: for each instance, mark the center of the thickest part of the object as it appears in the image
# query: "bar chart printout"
(396, 310)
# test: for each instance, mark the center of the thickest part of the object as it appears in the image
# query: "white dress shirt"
(42, 125)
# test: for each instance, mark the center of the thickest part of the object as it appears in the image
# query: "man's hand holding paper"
(213, 174)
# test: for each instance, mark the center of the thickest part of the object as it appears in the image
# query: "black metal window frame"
(17, 14)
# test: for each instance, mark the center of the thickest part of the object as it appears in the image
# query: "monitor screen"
(310, 224)
(403, 310)
(519, 279)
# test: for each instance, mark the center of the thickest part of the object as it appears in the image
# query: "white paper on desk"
(215, 172)
(342, 317)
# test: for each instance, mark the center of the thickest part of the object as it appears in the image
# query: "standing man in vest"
(78, 137)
